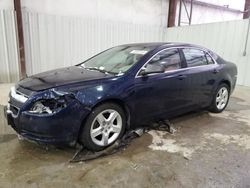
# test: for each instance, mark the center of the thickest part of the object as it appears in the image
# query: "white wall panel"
(146, 12)
(8, 47)
(225, 38)
(55, 41)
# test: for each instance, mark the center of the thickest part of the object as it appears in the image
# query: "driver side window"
(169, 59)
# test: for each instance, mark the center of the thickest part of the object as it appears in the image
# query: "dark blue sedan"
(124, 87)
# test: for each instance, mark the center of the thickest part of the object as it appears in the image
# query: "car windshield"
(116, 60)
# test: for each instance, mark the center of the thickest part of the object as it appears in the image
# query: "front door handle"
(181, 77)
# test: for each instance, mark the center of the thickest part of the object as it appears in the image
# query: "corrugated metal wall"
(225, 38)
(54, 41)
(8, 47)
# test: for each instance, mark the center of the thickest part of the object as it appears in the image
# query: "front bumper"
(60, 128)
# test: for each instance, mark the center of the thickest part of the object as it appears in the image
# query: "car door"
(160, 94)
(201, 75)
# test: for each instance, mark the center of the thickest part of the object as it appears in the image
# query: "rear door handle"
(181, 77)
(215, 71)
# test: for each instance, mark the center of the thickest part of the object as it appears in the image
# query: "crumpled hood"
(59, 77)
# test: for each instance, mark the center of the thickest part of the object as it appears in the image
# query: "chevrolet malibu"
(125, 87)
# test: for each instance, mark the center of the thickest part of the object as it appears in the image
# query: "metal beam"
(191, 12)
(172, 13)
(179, 20)
(188, 13)
(22, 67)
(211, 5)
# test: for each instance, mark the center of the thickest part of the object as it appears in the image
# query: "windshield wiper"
(95, 68)
(100, 70)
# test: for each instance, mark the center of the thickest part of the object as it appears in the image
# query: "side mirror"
(152, 68)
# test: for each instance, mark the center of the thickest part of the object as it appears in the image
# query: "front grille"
(15, 102)
(14, 109)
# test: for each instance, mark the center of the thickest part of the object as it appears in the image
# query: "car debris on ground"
(83, 154)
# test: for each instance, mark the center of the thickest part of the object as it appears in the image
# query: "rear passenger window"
(209, 59)
(195, 57)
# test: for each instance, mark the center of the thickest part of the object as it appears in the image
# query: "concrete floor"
(208, 150)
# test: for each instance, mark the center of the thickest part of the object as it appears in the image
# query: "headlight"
(17, 95)
(48, 106)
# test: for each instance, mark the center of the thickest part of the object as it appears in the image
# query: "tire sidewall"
(85, 137)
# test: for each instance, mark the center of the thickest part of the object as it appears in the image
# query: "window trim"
(185, 68)
(207, 53)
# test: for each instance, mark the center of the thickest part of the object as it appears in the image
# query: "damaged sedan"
(125, 87)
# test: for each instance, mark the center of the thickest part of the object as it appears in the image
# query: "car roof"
(163, 44)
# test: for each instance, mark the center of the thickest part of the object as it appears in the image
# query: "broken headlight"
(48, 106)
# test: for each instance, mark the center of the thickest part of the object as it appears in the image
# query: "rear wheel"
(220, 99)
(103, 127)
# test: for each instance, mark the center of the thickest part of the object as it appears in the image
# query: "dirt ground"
(207, 150)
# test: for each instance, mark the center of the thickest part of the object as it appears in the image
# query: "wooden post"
(172, 13)
(22, 66)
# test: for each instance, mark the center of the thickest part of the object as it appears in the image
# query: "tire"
(103, 127)
(220, 100)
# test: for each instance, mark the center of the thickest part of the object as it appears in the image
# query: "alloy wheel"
(222, 98)
(106, 127)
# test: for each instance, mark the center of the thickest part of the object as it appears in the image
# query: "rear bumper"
(59, 128)
(233, 83)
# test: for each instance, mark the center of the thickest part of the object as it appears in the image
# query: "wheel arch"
(116, 101)
(227, 82)
(120, 103)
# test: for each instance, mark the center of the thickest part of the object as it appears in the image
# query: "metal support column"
(22, 67)
(172, 13)
(246, 12)
(179, 20)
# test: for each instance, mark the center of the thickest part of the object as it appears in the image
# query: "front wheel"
(103, 127)
(220, 99)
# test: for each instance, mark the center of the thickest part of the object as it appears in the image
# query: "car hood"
(59, 77)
